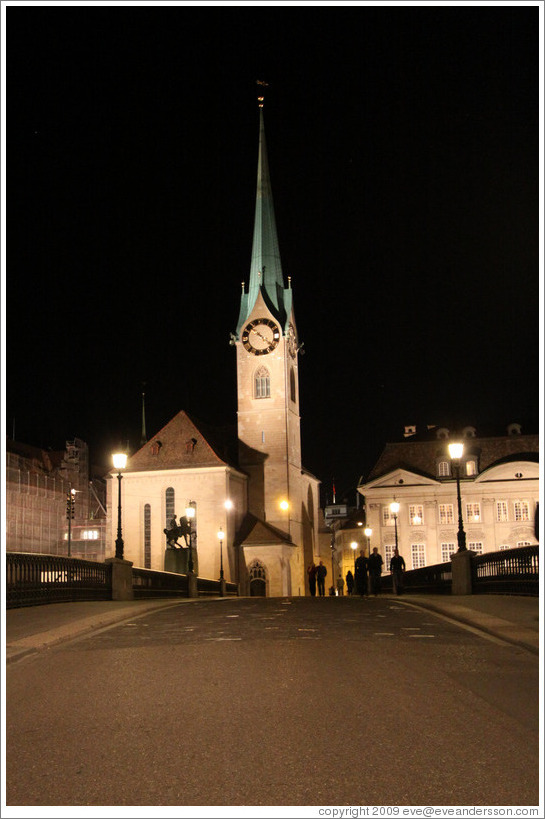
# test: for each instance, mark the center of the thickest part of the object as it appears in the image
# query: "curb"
(529, 640)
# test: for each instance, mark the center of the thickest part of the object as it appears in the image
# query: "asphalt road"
(331, 701)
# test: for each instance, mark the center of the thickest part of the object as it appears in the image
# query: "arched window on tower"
(169, 506)
(293, 392)
(262, 383)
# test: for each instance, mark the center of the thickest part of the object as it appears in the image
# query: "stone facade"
(499, 486)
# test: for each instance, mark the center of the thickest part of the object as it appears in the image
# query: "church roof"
(183, 443)
(265, 268)
(256, 532)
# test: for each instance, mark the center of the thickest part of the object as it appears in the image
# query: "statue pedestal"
(176, 560)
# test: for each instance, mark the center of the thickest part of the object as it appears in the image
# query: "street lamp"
(394, 509)
(190, 514)
(368, 532)
(354, 546)
(120, 462)
(221, 535)
(456, 451)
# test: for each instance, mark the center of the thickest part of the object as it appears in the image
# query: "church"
(254, 507)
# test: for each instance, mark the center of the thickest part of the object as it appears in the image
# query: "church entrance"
(258, 579)
(258, 587)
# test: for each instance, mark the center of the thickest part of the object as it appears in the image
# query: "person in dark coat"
(361, 574)
(375, 571)
(321, 573)
(311, 571)
(397, 567)
(349, 582)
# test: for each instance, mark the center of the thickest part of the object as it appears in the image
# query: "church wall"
(208, 488)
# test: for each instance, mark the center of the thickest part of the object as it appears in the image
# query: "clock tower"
(267, 350)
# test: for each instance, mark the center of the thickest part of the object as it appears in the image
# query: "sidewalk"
(507, 617)
(510, 618)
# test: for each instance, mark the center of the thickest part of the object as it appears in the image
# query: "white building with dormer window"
(499, 485)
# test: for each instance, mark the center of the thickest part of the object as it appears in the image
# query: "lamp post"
(354, 546)
(221, 535)
(368, 532)
(70, 514)
(456, 451)
(120, 462)
(190, 514)
(394, 509)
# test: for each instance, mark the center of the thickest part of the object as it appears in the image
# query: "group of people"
(366, 578)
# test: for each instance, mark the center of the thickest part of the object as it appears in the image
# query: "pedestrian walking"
(375, 571)
(349, 583)
(397, 567)
(311, 571)
(361, 574)
(340, 586)
(321, 573)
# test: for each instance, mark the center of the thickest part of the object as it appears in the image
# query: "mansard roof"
(185, 443)
(420, 454)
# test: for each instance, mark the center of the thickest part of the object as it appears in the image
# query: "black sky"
(403, 148)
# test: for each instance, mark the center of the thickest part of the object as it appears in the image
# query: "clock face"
(292, 341)
(260, 336)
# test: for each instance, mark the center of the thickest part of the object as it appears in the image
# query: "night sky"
(403, 147)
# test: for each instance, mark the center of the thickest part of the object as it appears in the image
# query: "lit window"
(446, 513)
(89, 534)
(476, 546)
(262, 383)
(418, 551)
(473, 512)
(443, 469)
(416, 514)
(522, 510)
(501, 511)
(471, 468)
(447, 550)
(387, 517)
(388, 555)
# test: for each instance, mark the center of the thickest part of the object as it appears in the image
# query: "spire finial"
(143, 437)
(261, 97)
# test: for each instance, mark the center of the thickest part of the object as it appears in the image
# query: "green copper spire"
(265, 268)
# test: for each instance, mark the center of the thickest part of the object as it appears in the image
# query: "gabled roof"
(256, 532)
(185, 443)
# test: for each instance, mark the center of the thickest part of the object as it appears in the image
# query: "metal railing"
(435, 579)
(35, 579)
(513, 571)
(150, 583)
(211, 588)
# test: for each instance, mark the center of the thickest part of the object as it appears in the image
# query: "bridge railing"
(436, 579)
(32, 579)
(36, 579)
(512, 571)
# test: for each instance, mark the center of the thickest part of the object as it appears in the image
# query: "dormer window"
(471, 468)
(443, 469)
